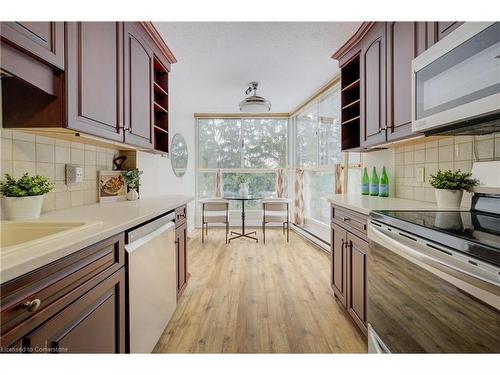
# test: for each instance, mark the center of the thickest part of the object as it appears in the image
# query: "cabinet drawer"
(180, 216)
(350, 220)
(52, 287)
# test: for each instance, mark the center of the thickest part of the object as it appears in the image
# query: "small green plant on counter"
(242, 179)
(453, 180)
(132, 178)
(26, 186)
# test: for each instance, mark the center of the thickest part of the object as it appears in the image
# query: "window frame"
(199, 170)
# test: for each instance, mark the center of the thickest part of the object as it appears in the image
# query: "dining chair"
(214, 211)
(276, 210)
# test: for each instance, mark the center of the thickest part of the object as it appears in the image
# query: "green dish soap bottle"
(384, 184)
(374, 182)
(365, 183)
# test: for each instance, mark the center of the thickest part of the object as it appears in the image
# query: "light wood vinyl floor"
(254, 298)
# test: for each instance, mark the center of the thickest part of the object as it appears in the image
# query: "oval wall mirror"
(179, 155)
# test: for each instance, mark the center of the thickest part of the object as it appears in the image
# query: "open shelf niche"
(350, 104)
(160, 106)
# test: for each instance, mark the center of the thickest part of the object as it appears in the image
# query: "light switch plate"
(74, 174)
(420, 174)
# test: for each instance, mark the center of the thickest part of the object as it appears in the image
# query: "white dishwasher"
(152, 281)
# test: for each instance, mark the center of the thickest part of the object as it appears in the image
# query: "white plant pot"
(244, 190)
(132, 195)
(23, 208)
(448, 198)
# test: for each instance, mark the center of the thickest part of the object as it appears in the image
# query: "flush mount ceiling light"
(254, 103)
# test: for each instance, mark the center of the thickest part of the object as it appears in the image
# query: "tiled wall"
(435, 153)
(25, 152)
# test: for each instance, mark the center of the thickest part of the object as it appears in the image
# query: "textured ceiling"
(216, 60)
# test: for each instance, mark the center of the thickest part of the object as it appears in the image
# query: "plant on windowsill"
(24, 197)
(133, 181)
(243, 181)
(450, 185)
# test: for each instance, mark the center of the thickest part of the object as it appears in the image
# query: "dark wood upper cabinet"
(94, 78)
(138, 64)
(373, 121)
(42, 40)
(357, 278)
(339, 262)
(435, 31)
(403, 41)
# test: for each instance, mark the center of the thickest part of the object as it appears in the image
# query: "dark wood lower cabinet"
(357, 250)
(181, 246)
(73, 305)
(339, 263)
(94, 323)
(349, 252)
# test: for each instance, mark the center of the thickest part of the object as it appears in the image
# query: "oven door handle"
(486, 289)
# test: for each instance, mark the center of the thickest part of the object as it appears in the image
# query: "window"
(317, 152)
(254, 147)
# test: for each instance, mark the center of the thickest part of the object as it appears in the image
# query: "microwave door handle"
(467, 281)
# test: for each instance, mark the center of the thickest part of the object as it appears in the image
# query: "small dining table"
(243, 200)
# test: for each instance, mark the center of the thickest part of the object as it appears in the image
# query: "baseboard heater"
(324, 245)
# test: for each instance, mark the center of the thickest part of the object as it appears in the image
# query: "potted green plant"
(23, 198)
(243, 181)
(133, 181)
(449, 187)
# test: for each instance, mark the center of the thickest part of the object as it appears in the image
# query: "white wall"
(158, 177)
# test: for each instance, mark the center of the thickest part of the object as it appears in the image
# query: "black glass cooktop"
(473, 232)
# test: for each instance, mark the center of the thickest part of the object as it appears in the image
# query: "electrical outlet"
(74, 174)
(420, 174)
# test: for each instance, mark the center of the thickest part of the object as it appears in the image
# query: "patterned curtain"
(218, 184)
(280, 183)
(299, 197)
(339, 179)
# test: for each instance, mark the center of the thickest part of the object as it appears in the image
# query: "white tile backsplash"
(435, 153)
(28, 153)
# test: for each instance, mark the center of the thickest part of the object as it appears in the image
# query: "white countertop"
(108, 219)
(365, 203)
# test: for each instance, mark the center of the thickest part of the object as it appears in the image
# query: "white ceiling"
(216, 60)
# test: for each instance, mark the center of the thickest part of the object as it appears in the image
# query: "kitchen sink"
(20, 233)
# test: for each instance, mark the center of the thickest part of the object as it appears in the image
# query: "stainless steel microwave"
(456, 82)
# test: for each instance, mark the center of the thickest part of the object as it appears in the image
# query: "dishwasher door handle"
(131, 247)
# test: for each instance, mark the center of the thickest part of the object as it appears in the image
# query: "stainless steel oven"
(456, 82)
(425, 297)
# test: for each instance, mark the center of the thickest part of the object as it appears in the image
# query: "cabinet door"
(356, 280)
(438, 30)
(138, 87)
(94, 323)
(181, 244)
(402, 44)
(339, 262)
(373, 86)
(42, 40)
(94, 78)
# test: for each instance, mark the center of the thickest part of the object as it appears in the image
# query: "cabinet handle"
(346, 218)
(385, 127)
(126, 128)
(32, 306)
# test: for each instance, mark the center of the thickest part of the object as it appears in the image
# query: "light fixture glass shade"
(254, 103)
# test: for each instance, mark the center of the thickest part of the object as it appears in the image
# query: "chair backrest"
(276, 204)
(215, 206)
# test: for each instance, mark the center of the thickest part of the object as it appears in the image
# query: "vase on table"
(243, 189)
